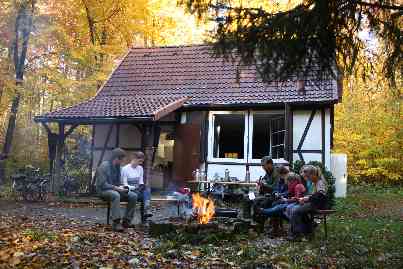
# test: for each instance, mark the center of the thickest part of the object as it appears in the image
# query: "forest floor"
(366, 232)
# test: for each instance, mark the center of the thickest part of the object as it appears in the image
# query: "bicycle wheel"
(33, 193)
(44, 192)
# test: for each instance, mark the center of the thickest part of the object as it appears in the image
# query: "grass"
(366, 232)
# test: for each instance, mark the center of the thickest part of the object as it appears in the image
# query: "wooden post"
(57, 180)
(91, 163)
(148, 146)
(288, 134)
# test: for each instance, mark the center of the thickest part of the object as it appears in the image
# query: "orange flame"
(204, 208)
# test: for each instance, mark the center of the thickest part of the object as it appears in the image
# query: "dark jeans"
(300, 221)
(115, 198)
(275, 211)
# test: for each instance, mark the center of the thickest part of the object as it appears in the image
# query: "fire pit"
(204, 218)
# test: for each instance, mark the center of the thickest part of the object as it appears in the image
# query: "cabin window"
(246, 136)
(229, 133)
(268, 134)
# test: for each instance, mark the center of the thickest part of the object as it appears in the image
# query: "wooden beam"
(308, 125)
(289, 133)
(46, 126)
(70, 130)
(105, 145)
(308, 151)
(331, 126)
(304, 134)
(91, 164)
(117, 135)
(148, 145)
(57, 180)
(323, 124)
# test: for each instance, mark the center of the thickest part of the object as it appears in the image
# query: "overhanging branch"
(379, 5)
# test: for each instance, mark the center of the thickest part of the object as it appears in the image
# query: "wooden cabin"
(188, 109)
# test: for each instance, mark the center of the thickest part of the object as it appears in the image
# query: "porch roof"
(101, 108)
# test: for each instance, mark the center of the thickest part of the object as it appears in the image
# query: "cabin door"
(186, 151)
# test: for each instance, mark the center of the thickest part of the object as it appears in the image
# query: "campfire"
(203, 208)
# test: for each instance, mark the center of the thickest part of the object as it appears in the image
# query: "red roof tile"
(150, 78)
(120, 107)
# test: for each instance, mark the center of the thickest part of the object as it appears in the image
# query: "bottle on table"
(226, 177)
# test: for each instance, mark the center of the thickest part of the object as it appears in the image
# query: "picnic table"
(208, 183)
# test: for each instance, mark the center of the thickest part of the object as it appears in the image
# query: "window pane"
(278, 152)
(266, 127)
(278, 133)
(261, 136)
(229, 136)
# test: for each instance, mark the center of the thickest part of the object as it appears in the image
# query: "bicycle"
(30, 185)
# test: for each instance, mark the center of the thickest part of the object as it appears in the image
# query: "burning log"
(203, 208)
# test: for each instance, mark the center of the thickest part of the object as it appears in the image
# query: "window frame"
(210, 155)
(248, 136)
(250, 129)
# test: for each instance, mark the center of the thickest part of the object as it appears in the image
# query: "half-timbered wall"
(311, 135)
(125, 136)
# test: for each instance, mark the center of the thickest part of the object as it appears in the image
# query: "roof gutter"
(92, 120)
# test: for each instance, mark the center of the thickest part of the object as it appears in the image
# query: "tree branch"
(379, 5)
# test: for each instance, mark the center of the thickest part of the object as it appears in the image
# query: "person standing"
(110, 189)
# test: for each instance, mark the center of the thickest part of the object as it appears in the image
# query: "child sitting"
(295, 191)
(309, 203)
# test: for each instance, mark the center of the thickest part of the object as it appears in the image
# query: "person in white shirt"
(132, 174)
(132, 177)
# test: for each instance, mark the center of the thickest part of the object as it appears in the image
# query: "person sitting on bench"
(269, 182)
(299, 222)
(295, 191)
(132, 176)
(109, 188)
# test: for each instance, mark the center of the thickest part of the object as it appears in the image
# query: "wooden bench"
(154, 199)
(322, 216)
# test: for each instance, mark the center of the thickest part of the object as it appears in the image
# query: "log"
(199, 228)
(226, 213)
(158, 229)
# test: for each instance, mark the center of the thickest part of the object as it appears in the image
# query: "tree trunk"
(23, 26)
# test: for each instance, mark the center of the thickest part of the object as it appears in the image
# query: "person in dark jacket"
(110, 188)
(269, 182)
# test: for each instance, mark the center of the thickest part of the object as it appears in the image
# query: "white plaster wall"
(313, 140)
(97, 156)
(309, 157)
(255, 173)
(129, 136)
(101, 132)
(238, 171)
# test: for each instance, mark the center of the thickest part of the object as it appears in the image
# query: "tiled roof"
(120, 107)
(158, 74)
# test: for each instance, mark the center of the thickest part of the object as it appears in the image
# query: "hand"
(121, 189)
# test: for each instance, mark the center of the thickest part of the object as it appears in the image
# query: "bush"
(330, 180)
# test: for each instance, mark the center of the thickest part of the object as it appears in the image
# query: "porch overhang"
(115, 109)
